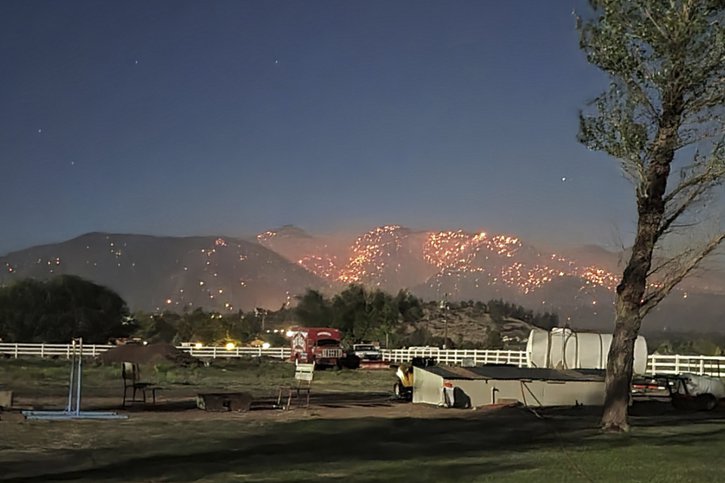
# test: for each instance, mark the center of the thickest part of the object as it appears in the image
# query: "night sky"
(232, 117)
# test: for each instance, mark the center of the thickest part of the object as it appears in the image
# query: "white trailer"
(495, 384)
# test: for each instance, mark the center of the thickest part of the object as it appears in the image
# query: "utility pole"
(444, 308)
(263, 312)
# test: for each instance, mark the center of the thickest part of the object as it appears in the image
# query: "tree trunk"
(619, 374)
(630, 293)
(631, 290)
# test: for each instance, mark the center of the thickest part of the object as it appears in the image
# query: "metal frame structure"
(73, 408)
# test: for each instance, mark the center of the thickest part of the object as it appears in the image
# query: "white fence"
(677, 364)
(48, 350)
(656, 363)
(223, 352)
(91, 350)
(456, 356)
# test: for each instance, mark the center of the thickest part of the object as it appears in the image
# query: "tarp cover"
(506, 372)
(697, 385)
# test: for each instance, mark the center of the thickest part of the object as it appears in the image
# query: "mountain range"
(269, 270)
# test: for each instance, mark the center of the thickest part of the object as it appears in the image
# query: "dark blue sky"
(219, 117)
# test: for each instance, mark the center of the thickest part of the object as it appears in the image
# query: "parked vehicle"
(649, 387)
(320, 345)
(367, 352)
(693, 391)
(403, 387)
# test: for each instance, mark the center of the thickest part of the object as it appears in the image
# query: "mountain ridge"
(268, 270)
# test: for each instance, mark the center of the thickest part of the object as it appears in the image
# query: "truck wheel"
(706, 402)
(396, 390)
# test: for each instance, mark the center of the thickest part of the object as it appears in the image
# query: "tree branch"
(654, 298)
(667, 221)
(698, 185)
(666, 263)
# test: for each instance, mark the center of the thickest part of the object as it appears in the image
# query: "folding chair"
(131, 375)
(303, 383)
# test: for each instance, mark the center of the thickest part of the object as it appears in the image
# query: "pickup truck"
(367, 352)
(686, 391)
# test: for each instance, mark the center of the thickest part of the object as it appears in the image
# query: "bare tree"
(662, 119)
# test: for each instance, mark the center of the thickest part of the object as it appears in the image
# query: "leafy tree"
(546, 320)
(361, 314)
(157, 328)
(365, 315)
(419, 337)
(665, 347)
(409, 306)
(662, 119)
(494, 341)
(313, 309)
(250, 325)
(351, 313)
(60, 309)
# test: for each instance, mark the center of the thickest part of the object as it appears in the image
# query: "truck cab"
(320, 345)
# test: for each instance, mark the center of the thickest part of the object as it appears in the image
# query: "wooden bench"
(131, 375)
(304, 374)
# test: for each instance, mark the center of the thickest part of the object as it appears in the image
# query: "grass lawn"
(398, 442)
(35, 377)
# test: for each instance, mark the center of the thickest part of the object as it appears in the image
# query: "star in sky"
(351, 103)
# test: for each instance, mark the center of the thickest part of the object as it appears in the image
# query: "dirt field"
(353, 431)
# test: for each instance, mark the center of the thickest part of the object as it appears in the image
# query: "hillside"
(227, 274)
(155, 273)
(459, 265)
(469, 325)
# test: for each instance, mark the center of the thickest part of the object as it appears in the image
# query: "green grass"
(49, 377)
(267, 446)
(508, 446)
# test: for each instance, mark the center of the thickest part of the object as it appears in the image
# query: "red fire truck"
(320, 345)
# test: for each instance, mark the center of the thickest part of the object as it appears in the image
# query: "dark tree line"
(361, 314)
(67, 306)
(499, 310)
(364, 315)
(59, 309)
(209, 328)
